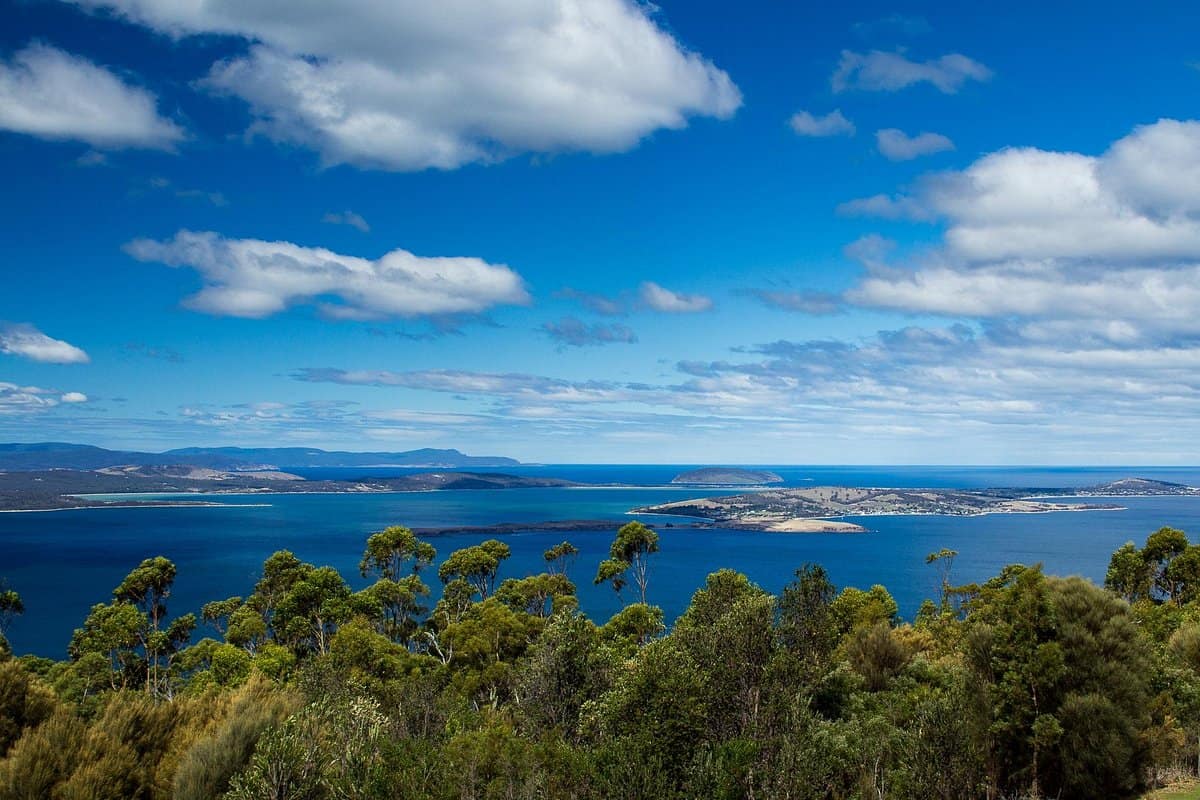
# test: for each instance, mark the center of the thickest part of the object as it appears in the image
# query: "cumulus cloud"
(662, 299)
(255, 278)
(74, 397)
(881, 71)
(832, 124)
(52, 94)
(347, 217)
(1107, 246)
(572, 332)
(28, 342)
(896, 145)
(410, 85)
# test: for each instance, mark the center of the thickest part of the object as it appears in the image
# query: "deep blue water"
(63, 562)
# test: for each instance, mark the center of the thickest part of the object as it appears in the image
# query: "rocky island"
(725, 476)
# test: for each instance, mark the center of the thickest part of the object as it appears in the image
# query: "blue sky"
(594, 230)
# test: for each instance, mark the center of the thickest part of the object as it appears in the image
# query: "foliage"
(477, 565)
(629, 554)
(1024, 685)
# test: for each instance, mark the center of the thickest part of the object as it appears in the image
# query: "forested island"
(1023, 685)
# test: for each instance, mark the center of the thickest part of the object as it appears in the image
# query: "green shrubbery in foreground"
(1024, 686)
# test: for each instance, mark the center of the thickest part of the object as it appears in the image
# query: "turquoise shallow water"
(63, 562)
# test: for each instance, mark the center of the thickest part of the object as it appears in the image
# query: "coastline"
(133, 505)
(706, 521)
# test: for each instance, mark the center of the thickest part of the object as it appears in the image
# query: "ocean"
(63, 562)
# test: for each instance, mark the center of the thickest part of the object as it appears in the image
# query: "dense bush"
(1022, 686)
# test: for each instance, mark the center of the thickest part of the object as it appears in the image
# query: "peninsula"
(816, 508)
(45, 490)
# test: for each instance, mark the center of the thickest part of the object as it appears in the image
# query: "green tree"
(399, 605)
(1129, 574)
(807, 627)
(10, 607)
(560, 558)
(629, 553)
(539, 595)
(729, 631)
(943, 560)
(566, 668)
(308, 613)
(1064, 672)
(853, 609)
(633, 625)
(217, 613)
(1161, 549)
(114, 632)
(477, 565)
(391, 549)
(147, 588)
(658, 710)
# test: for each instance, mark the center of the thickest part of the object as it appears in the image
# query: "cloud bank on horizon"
(556, 269)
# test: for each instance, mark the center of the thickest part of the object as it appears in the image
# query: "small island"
(726, 476)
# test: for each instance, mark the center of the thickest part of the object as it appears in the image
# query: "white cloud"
(16, 399)
(1098, 248)
(408, 85)
(832, 124)
(51, 94)
(885, 206)
(255, 278)
(881, 71)
(662, 299)
(28, 342)
(896, 145)
(347, 217)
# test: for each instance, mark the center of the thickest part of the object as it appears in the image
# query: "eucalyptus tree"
(390, 554)
(560, 558)
(629, 555)
(146, 589)
(477, 565)
(393, 549)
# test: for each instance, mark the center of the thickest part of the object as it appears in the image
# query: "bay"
(63, 562)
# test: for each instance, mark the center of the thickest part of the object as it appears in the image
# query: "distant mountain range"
(62, 455)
